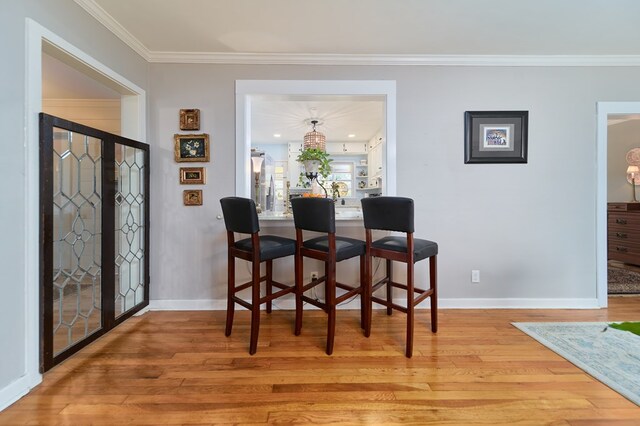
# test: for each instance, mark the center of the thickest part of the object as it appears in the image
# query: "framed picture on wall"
(495, 136)
(192, 176)
(192, 197)
(190, 119)
(193, 148)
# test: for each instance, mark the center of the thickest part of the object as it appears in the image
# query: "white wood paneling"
(103, 114)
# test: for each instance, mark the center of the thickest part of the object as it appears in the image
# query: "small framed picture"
(192, 197)
(189, 119)
(192, 176)
(495, 136)
(194, 148)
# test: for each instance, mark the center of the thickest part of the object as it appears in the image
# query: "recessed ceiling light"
(276, 135)
(351, 135)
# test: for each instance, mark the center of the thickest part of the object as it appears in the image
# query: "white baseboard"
(518, 303)
(287, 304)
(221, 305)
(188, 305)
(17, 389)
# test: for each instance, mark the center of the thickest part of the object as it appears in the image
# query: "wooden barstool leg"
(389, 287)
(363, 294)
(367, 295)
(330, 300)
(255, 306)
(269, 285)
(410, 309)
(433, 279)
(231, 287)
(299, 270)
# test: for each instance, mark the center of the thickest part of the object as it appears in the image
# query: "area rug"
(623, 281)
(609, 355)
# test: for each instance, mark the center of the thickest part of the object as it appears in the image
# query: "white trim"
(95, 10)
(517, 303)
(422, 60)
(188, 305)
(14, 391)
(36, 35)
(246, 89)
(289, 304)
(603, 111)
(84, 102)
(221, 305)
(33, 105)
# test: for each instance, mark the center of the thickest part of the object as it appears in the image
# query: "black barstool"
(397, 214)
(318, 214)
(240, 216)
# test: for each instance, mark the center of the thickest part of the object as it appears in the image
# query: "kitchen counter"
(342, 214)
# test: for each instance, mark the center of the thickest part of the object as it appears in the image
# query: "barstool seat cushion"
(422, 249)
(271, 246)
(346, 247)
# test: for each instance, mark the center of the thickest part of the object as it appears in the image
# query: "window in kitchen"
(342, 174)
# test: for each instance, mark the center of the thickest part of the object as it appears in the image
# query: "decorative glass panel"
(129, 228)
(77, 238)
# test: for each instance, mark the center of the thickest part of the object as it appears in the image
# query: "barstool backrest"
(388, 213)
(240, 215)
(314, 214)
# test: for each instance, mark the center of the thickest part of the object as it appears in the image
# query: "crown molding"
(233, 58)
(95, 10)
(416, 60)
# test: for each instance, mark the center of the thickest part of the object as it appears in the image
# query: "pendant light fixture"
(314, 139)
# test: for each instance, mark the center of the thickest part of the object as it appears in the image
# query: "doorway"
(605, 111)
(133, 125)
(94, 234)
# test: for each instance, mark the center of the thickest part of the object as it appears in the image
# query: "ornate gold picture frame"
(190, 119)
(193, 148)
(192, 175)
(192, 197)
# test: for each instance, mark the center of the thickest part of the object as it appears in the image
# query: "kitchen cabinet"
(347, 148)
(375, 162)
(355, 148)
(294, 149)
(293, 166)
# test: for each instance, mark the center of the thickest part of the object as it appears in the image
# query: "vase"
(311, 166)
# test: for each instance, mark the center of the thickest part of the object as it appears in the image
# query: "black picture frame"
(492, 137)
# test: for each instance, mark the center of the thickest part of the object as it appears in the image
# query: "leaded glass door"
(94, 234)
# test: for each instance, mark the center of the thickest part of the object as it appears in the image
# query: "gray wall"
(70, 22)
(621, 138)
(529, 229)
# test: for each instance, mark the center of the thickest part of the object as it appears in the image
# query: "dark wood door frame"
(109, 189)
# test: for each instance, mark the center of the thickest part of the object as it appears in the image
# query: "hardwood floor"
(178, 368)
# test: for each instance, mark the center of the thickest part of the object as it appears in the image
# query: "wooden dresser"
(623, 232)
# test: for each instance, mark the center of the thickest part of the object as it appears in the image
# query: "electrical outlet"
(475, 276)
(314, 276)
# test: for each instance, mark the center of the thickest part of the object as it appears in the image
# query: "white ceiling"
(338, 117)
(613, 119)
(366, 31)
(377, 27)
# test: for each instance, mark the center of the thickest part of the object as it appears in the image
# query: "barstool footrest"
(243, 303)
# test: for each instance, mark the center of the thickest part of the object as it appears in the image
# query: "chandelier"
(314, 139)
